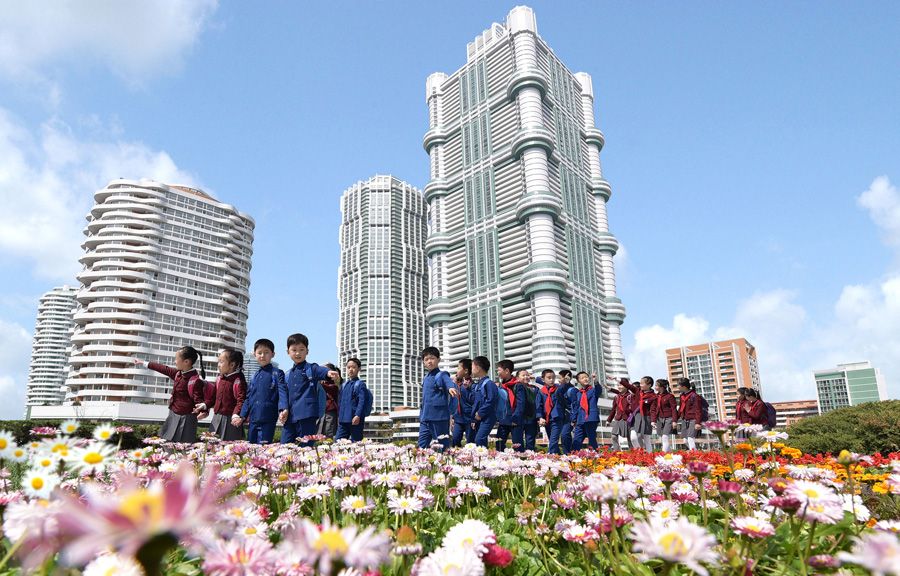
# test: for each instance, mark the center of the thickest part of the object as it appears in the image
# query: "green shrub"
(866, 429)
(21, 430)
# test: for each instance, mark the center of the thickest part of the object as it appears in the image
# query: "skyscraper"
(521, 258)
(382, 287)
(164, 266)
(849, 385)
(717, 369)
(50, 348)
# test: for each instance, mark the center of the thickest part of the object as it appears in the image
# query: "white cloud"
(47, 181)
(865, 324)
(136, 39)
(15, 351)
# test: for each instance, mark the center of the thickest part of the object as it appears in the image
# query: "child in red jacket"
(228, 396)
(690, 413)
(187, 394)
(664, 414)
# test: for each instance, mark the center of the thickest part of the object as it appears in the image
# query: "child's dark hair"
(466, 364)
(685, 383)
(546, 371)
(506, 365)
(751, 393)
(664, 384)
(264, 343)
(580, 373)
(355, 361)
(565, 372)
(482, 362)
(648, 379)
(431, 351)
(297, 339)
(236, 357)
(193, 356)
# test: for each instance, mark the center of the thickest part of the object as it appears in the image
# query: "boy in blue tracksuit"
(512, 425)
(461, 408)
(351, 408)
(265, 392)
(437, 389)
(484, 400)
(565, 433)
(583, 404)
(551, 409)
(305, 400)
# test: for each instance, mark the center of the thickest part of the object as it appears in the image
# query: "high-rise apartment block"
(794, 410)
(521, 257)
(50, 348)
(717, 369)
(382, 287)
(849, 385)
(164, 266)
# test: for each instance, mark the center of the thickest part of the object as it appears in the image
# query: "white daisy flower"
(472, 535)
(104, 432)
(678, 542)
(39, 483)
(69, 427)
(107, 564)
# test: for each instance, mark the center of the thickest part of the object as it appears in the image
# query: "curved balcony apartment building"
(383, 287)
(521, 257)
(50, 347)
(164, 266)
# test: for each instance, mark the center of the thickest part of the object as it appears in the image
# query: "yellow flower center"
(665, 513)
(236, 512)
(93, 458)
(19, 453)
(811, 492)
(3, 443)
(45, 463)
(37, 483)
(673, 544)
(451, 568)
(143, 507)
(358, 504)
(104, 435)
(242, 557)
(250, 530)
(332, 540)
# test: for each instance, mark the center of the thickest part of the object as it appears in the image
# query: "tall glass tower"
(521, 257)
(382, 287)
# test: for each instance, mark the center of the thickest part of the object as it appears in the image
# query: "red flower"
(497, 556)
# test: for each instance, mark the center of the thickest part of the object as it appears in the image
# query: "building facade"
(794, 411)
(164, 266)
(382, 288)
(717, 369)
(849, 385)
(50, 348)
(520, 253)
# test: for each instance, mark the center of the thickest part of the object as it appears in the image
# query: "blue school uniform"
(461, 411)
(512, 425)
(484, 404)
(266, 392)
(352, 403)
(585, 422)
(556, 416)
(434, 416)
(305, 400)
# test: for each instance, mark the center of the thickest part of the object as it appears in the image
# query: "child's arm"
(519, 411)
(240, 394)
(156, 367)
(450, 385)
(283, 397)
(361, 405)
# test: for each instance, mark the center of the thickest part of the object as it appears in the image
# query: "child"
(690, 413)
(461, 408)
(643, 425)
(228, 396)
(755, 408)
(551, 412)
(664, 414)
(618, 416)
(565, 433)
(484, 401)
(437, 389)
(328, 425)
(266, 391)
(305, 402)
(187, 395)
(351, 407)
(529, 414)
(512, 424)
(587, 415)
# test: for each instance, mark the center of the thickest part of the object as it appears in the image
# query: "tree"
(866, 429)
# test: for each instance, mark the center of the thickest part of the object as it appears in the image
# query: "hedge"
(869, 428)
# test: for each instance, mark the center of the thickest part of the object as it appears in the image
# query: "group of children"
(296, 399)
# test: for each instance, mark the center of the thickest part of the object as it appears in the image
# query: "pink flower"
(786, 503)
(328, 545)
(699, 468)
(678, 541)
(879, 552)
(126, 519)
(729, 488)
(752, 526)
(497, 556)
(239, 557)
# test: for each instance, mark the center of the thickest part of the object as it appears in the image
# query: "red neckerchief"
(548, 403)
(508, 385)
(584, 402)
(642, 394)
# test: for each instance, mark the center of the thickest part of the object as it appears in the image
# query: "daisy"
(666, 510)
(107, 564)
(69, 427)
(752, 526)
(472, 535)
(878, 552)
(888, 526)
(772, 436)
(579, 533)
(6, 442)
(668, 459)
(17, 453)
(404, 504)
(329, 544)
(443, 562)
(104, 432)
(356, 505)
(91, 459)
(39, 483)
(239, 558)
(678, 542)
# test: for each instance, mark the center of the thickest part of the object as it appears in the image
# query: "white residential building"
(164, 266)
(521, 257)
(50, 348)
(382, 288)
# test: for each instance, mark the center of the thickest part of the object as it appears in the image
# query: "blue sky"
(753, 150)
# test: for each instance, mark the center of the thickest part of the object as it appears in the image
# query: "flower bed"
(234, 508)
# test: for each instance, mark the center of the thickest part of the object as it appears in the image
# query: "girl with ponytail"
(187, 394)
